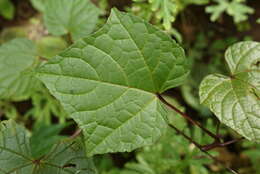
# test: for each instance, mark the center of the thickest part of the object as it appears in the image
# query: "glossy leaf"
(17, 57)
(108, 83)
(15, 155)
(235, 100)
(75, 17)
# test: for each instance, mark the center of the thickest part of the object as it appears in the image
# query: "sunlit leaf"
(235, 100)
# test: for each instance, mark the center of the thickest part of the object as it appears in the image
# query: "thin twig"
(43, 58)
(70, 40)
(76, 134)
(217, 144)
(218, 128)
(201, 149)
(216, 137)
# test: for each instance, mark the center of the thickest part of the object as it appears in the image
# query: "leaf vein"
(136, 114)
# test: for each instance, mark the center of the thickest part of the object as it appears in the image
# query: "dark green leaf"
(7, 9)
(15, 155)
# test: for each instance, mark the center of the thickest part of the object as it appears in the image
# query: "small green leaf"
(217, 10)
(235, 100)
(38, 4)
(108, 83)
(44, 137)
(64, 158)
(237, 9)
(167, 11)
(50, 46)
(17, 58)
(76, 17)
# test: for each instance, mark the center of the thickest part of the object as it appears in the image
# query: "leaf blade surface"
(65, 158)
(235, 99)
(17, 58)
(76, 17)
(108, 82)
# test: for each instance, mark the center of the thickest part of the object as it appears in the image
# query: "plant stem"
(217, 144)
(201, 149)
(42, 58)
(184, 115)
(69, 37)
(217, 137)
(218, 128)
(76, 134)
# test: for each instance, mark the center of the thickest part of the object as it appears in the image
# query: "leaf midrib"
(242, 108)
(138, 49)
(209, 93)
(98, 81)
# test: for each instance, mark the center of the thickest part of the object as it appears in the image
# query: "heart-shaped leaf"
(108, 83)
(15, 155)
(236, 99)
(77, 17)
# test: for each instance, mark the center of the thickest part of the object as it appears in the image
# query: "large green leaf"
(236, 99)
(17, 57)
(15, 155)
(107, 83)
(77, 17)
